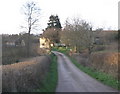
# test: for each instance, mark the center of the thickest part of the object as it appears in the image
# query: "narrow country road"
(71, 79)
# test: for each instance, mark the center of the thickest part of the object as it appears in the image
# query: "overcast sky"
(100, 13)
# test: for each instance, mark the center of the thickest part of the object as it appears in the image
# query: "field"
(14, 48)
(16, 54)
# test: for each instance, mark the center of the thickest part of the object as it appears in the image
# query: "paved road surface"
(71, 79)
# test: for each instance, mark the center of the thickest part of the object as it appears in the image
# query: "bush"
(50, 82)
(26, 76)
(105, 61)
(99, 47)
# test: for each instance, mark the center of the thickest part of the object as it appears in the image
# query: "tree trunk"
(28, 44)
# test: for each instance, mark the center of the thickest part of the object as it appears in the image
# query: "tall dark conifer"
(53, 29)
(54, 22)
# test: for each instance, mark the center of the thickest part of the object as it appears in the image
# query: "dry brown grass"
(102, 61)
(106, 62)
(81, 58)
(24, 76)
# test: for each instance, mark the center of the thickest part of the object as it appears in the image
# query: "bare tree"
(77, 34)
(32, 14)
(52, 34)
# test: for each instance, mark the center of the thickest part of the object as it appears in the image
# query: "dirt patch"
(24, 76)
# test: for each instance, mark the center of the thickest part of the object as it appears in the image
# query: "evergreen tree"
(53, 29)
(54, 22)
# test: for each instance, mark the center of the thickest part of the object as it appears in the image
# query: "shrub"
(25, 76)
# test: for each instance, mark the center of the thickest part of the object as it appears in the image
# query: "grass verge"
(50, 82)
(100, 76)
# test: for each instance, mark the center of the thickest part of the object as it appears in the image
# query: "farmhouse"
(44, 42)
